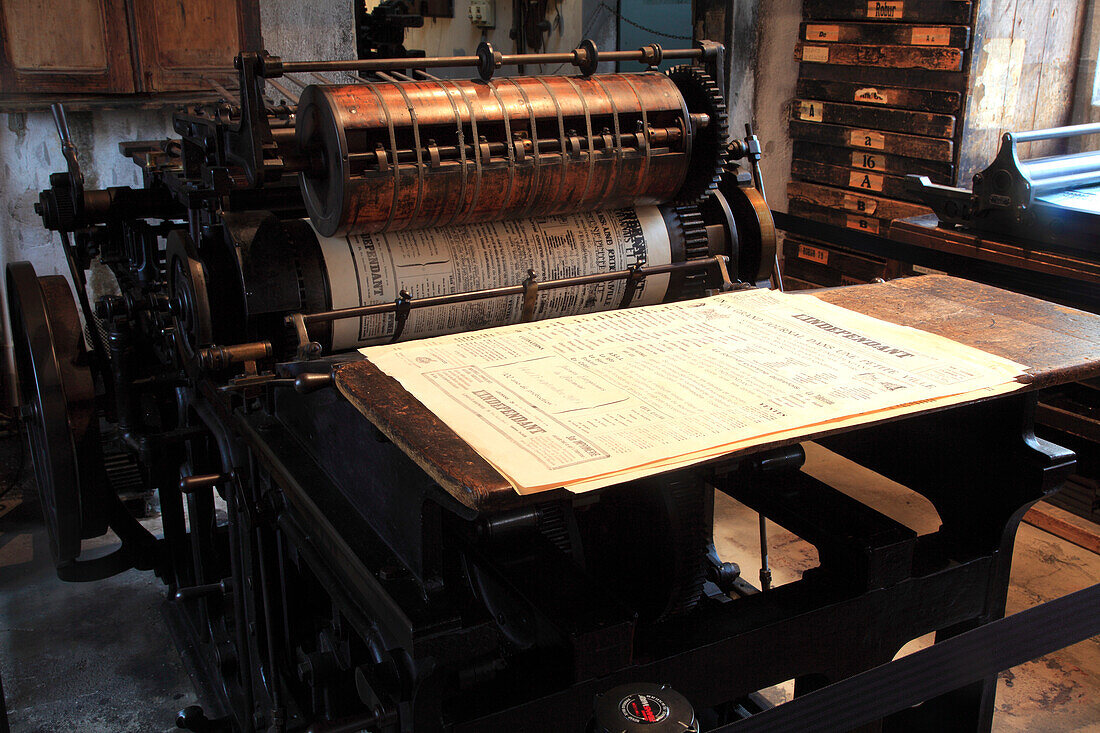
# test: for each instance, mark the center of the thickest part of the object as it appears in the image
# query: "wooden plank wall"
(1022, 73)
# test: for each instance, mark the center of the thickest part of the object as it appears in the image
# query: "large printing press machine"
(346, 585)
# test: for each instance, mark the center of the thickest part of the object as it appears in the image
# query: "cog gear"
(709, 148)
(693, 231)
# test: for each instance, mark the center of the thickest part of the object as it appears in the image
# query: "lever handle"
(68, 147)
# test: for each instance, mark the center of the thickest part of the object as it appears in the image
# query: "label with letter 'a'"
(866, 181)
(815, 54)
(867, 139)
(930, 36)
(813, 254)
(868, 161)
(809, 111)
(862, 223)
(823, 33)
(885, 10)
(860, 205)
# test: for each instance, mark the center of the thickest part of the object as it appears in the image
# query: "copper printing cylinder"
(407, 155)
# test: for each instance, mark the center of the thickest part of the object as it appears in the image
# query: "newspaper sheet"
(592, 400)
(375, 268)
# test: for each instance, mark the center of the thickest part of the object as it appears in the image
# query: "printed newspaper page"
(591, 400)
(363, 269)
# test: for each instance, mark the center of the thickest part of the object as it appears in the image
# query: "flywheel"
(57, 395)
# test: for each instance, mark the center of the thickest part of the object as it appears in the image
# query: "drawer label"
(885, 10)
(823, 33)
(868, 161)
(813, 254)
(867, 139)
(866, 181)
(862, 223)
(816, 54)
(809, 111)
(862, 205)
(870, 95)
(930, 36)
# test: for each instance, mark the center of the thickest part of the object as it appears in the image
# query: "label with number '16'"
(868, 161)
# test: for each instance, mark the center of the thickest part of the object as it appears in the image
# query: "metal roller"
(391, 156)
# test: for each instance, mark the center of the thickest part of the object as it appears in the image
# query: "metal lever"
(68, 147)
(312, 381)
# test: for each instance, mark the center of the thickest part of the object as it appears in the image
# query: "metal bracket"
(530, 297)
(402, 306)
(637, 276)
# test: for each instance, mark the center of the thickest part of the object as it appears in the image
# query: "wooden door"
(182, 43)
(50, 46)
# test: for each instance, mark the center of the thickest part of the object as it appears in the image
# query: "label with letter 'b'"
(863, 224)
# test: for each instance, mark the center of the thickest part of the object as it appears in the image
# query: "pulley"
(57, 403)
(57, 396)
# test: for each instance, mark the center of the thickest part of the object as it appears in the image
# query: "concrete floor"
(96, 657)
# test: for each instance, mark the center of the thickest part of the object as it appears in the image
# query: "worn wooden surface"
(183, 42)
(65, 46)
(853, 201)
(935, 58)
(858, 92)
(1022, 72)
(908, 146)
(948, 81)
(838, 218)
(864, 181)
(886, 34)
(1059, 344)
(872, 161)
(903, 121)
(830, 266)
(915, 11)
(925, 232)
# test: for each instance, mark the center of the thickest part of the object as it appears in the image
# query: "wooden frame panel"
(51, 46)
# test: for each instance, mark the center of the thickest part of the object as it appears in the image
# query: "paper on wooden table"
(592, 400)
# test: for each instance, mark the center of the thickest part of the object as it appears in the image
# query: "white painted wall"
(775, 77)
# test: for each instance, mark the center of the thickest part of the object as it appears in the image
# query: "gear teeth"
(710, 147)
(693, 231)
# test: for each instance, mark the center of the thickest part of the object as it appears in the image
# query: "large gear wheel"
(709, 144)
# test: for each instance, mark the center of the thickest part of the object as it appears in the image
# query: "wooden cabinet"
(65, 46)
(121, 46)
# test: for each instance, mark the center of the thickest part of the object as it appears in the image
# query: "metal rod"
(1055, 133)
(506, 290)
(571, 57)
(284, 91)
(765, 569)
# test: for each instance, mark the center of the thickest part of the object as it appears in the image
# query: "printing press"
(348, 585)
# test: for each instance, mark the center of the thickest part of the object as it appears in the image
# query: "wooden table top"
(1058, 343)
